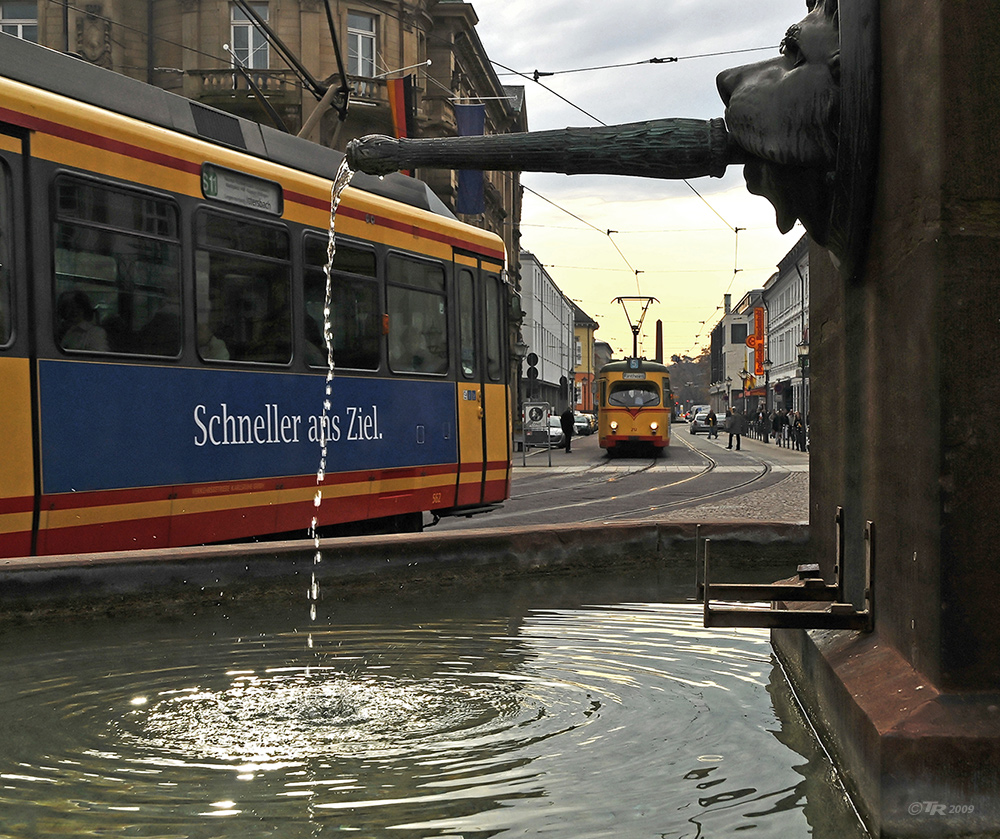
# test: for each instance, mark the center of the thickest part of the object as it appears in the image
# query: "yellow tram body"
(635, 401)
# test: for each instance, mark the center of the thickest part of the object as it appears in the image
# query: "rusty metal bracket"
(810, 588)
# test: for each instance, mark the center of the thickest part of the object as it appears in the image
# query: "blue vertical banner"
(471, 120)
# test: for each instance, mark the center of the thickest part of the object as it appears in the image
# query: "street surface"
(695, 479)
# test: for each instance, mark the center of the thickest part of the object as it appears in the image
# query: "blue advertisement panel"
(116, 426)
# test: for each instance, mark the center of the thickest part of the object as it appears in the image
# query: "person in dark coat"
(777, 426)
(736, 426)
(798, 432)
(566, 421)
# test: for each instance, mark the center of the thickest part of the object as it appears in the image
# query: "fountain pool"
(597, 708)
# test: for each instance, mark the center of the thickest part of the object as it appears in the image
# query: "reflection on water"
(408, 720)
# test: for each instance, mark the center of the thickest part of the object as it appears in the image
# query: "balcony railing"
(373, 91)
(281, 87)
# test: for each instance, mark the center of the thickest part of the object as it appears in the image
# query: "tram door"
(17, 449)
(476, 373)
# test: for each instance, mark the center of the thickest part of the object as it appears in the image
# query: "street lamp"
(729, 392)
(767, 384)
(744, 375)
(803, 350)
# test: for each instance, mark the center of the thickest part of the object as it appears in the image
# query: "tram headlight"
(614, 425)
(653, 426)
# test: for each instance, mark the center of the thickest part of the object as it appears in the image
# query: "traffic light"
(532, 374)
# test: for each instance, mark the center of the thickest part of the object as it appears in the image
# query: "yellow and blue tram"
(162, 360)
(634, 407)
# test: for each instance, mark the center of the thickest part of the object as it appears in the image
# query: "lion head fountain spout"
(803, 123)
(667, 148)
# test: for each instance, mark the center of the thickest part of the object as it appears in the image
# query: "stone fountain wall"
(906, 359)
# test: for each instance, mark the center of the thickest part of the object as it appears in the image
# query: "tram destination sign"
(241, 190)
(629, 375)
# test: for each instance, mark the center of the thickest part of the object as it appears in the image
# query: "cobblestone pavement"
(785, 501)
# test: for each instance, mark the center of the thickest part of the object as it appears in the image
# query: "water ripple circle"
(570, 722)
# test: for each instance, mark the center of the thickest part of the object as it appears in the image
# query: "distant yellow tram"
(635, 405)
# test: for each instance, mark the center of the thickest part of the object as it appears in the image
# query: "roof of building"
(581, 318)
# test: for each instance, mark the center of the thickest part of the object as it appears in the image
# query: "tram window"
(117, 270)
(634, 394)
(355, 312)
(418, 320)
(242, 289)
(467, 323)
(6, 303)
(494, 363)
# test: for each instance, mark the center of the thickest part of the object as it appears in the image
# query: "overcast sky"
(684, 247)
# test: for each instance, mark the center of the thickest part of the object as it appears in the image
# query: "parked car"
(699, 422)
(555, 432)
(583, 423)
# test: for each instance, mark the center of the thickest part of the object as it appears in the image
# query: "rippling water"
(430, 720)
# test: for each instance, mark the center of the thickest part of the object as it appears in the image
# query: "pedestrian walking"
(566, 421)
(713, 425)
(736, 426)
(799, 431)
(777, 423)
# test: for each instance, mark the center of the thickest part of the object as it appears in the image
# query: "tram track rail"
(692, 501)
(596, 476)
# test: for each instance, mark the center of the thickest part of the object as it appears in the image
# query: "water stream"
(340, 182)
(530, 712)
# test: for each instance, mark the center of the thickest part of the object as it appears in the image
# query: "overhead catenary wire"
(607, 233)
(537, 74)
(550, 90)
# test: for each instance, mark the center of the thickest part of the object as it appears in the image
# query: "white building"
(786, 297)
(547, 329)
(779, 381)
(731, 357)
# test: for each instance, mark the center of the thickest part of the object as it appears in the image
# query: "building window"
(360, 45)
(738, 333)
(19, 20)
(249, 43)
